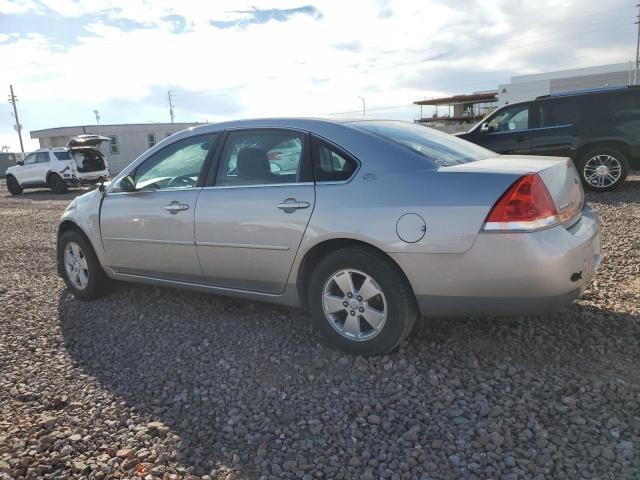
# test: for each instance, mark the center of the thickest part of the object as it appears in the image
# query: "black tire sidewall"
(56, 183)
(604, 151)
(13, 186)
(401, 306)
(95, 284)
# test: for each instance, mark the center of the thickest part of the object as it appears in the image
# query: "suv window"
(261, 157)
(178, 165)
(329, 165)
(556, 114)
(43, 157)
(62, 155)
(510, 119)
(30, 159)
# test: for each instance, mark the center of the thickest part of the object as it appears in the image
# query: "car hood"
(84, 141)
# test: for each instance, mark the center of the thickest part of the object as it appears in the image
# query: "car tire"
(95, 282)
(367, 273)
(13, 186)
(613, 165)
(56, 183)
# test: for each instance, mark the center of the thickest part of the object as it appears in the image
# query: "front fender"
(84, 213)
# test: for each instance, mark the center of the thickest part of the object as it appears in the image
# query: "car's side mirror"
(19, 162)
(484, 128)
(128, 184)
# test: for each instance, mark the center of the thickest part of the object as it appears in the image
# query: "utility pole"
(97, 114)
(170, 105)
(635, 75)
(13, 99)
(363, 106)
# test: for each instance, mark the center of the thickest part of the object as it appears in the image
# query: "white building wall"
(132, 139)
(528, 87)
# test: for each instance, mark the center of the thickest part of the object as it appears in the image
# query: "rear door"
(251, 217)
(508, 131)
(150, 231)
(41, 167)
(556, 127)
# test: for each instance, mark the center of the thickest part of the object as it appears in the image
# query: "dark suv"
(598, 129)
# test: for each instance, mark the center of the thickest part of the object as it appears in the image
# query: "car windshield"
(444, 149)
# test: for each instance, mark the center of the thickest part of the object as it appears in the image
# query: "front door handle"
(175, 207)
(290, 205)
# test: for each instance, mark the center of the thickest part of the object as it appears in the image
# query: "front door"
(250, 221)
(508, 131)
(26, 173)
(149, 231)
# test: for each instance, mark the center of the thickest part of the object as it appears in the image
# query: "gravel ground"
(159, 383)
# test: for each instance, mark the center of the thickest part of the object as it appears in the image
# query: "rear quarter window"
(63, 155)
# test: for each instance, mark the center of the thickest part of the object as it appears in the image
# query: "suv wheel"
(13, 186)
(603, 169)
(81, 269)
(56, 183)
(361, 302)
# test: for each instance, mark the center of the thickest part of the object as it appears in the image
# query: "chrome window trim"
(159, 190)
(531, 129)
(221, 187)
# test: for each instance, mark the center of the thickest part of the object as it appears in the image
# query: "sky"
(230, 59)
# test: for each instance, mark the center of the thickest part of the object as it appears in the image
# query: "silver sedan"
(367, 224)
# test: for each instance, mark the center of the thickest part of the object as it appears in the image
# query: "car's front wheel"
(361, 302)
(603, 169)
(56, 183)
(81, 269)
(13, 186)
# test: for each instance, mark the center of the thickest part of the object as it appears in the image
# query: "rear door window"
(262, 157)
(43, 157)
(558, 114)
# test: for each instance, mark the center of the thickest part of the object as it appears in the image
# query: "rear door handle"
(175, 207)
(290, 205)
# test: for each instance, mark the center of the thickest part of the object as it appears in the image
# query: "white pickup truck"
(80, 163)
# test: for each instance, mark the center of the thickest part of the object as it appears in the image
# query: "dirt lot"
(161, 383)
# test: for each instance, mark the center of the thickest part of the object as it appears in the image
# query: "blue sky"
(233, 59)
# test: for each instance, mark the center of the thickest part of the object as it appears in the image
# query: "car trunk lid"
(558, 174)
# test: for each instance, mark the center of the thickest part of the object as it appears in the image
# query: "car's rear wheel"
(13, 186)
(56, 183)
(81, 269)
(361, 302)
(603, 169)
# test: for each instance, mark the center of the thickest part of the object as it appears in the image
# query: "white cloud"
(400, 51)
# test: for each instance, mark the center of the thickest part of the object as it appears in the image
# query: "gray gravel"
(160, 383)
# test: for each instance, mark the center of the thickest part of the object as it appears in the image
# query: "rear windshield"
(444, 149)
(62, 155)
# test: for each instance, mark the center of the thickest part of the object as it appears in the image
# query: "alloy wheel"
(354, 304)
(602, 171)
(75, 264)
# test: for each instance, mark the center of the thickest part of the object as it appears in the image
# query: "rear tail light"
(525, 206)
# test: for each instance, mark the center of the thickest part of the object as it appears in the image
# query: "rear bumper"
(508, 273)
(86, 180)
